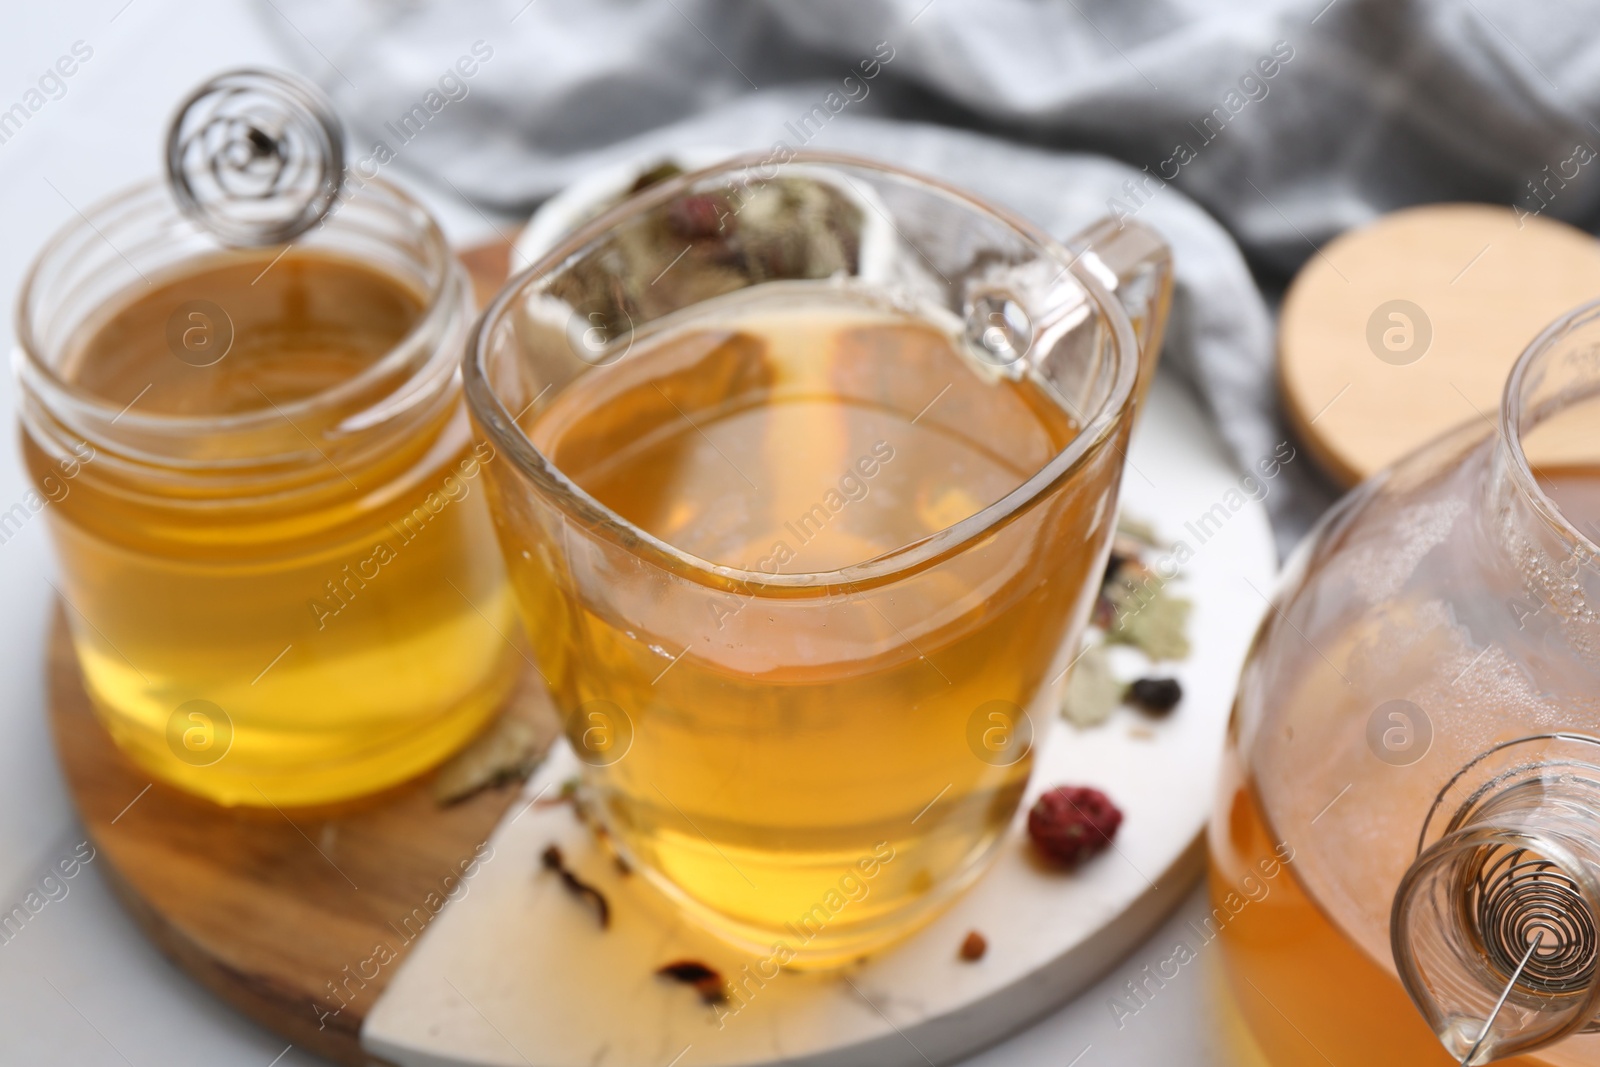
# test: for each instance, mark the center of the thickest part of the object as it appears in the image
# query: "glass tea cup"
(810, 471)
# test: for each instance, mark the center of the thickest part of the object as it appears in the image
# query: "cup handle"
(1133, 262)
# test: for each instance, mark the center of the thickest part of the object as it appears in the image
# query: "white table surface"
(80, 987)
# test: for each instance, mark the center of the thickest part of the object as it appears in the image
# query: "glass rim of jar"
(40, 370)
(576, 503)
(1514, 409)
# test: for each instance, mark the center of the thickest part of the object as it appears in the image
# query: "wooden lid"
(1400, 330)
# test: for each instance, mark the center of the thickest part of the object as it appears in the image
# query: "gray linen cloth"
(1266, 126)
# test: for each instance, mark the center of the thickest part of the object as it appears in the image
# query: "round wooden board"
(1471, 285)
(264, 907)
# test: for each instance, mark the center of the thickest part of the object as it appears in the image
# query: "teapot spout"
(1494, 927)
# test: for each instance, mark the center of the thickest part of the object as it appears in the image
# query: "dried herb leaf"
(787, 228)
(508, 751)
(1140, 531)
(554, 861)
(568, 794)
(571, 795)
(705, 979)
(654, 176)
(1093, 692)
(1149, 618)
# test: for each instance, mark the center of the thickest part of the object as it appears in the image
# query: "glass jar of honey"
(266, 505)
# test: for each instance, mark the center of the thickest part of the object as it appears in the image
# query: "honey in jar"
(273, 548)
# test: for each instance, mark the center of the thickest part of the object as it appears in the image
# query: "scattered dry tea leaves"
(705, 979)
(555, 862)
(1134, 608)
(508, 751)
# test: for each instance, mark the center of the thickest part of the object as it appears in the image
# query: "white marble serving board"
(514, 975)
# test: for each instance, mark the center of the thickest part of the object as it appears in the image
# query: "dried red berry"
(1071, 824)
(702, 215)
(1155, 696)
(973, 947)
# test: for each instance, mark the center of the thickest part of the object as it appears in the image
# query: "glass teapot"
(1406, 850)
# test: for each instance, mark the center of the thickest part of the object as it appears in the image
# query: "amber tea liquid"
(1311, 994)
(1308, 992)
(798, 762)
(277, 635)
